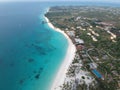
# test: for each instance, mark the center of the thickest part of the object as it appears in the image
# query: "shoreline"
(69, 57)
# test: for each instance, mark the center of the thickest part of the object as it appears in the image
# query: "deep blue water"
(30, 52)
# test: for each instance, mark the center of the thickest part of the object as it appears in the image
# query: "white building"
(79, 41)
(71, 33)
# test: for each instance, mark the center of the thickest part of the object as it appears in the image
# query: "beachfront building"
(80, 47)
(79, 41)
(71, 33)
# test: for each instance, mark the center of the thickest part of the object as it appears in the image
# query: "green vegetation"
(99, 27)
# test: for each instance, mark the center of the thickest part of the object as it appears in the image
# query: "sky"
(62, 0)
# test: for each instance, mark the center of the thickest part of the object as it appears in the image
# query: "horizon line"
(107, 1)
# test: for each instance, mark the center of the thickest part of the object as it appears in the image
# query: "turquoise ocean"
(30, 52)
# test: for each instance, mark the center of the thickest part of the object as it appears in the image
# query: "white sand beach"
(61, 75)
